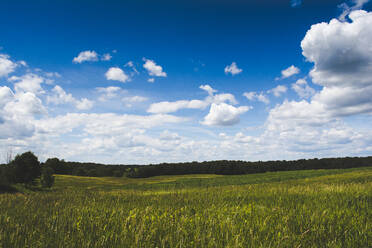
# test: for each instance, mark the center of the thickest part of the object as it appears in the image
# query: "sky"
(138, 82)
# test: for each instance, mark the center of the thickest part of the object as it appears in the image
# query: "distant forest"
(221, 167)
(14, 171)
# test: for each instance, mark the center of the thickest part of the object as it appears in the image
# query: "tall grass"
(326, 208)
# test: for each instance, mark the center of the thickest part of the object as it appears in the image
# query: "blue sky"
(145, 81)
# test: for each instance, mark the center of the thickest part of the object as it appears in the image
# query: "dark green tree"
(26, 168)
(47, 178)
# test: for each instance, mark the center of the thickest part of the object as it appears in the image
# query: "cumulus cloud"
(6, 95)
(233, 69)
(86, 56)
(28, 83)
(302, 88)
(153, 69)
(224, 114)
(290, 71)
(291, 114)
(116, 74)
(151, 80)
(342, 57)
(278, 90)
(169, 107)
(342, 61)
(6, 65)
(16, 113)
(25, 104)
(91, 56)
(252, 96)
(61, 97)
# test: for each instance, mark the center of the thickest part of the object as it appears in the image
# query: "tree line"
(226, 167)
(26, 168)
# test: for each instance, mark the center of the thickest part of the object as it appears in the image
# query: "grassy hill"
(314, 208)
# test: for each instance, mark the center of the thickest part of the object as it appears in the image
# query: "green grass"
(315, 208)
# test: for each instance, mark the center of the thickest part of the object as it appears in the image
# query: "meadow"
(310, 208)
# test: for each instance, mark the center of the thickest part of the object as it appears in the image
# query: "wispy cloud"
(295, 3)
(347, 8)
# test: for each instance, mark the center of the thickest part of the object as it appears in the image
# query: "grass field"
(317, 208)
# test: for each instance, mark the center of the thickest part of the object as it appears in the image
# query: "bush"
(47, 178)
(3, 178)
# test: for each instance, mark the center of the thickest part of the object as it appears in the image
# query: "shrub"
(47, 178)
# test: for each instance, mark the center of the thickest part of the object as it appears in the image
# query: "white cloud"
(6, 95)
(303, 89)
(129, 100)
(53, 74)
(86, 56)
(23, 63)
(153, 69)
(108, 93)
(134, 70)
(28, 83)
(220, 98)
(169, 107)
(342, 57)
(290, 71)
(224, 114)
(292, 114)
(233, 69)
(346, 9)
(61, 97)
(106, 124)
(84, 104)
(6, 65)
(278, 90)
(25, 104)
(208, 89)
(341, 101)
(16, 113)
(116, 74)
(132, 99)
(167, 135)
(252, 96)
(151, 80)
(262, 98)
(295, 3)
(106, 57)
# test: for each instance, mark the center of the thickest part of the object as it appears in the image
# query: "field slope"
(314, 208)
